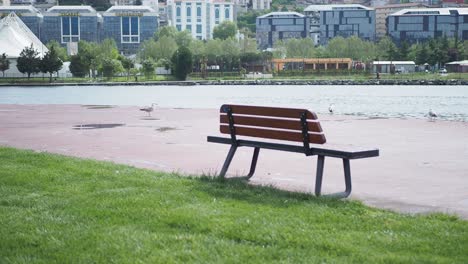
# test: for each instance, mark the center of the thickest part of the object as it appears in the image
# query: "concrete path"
(423, 165)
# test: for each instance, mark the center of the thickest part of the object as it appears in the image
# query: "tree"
(182, 63)
(50, 63)
(28, 61)
(127, 64)
(148, 67)
(4, 63)
(183, 38)
(403, 51)
(111, 67)
(77, 66)
(161, 49)
(421, 55)
(225, 30)
(61, 51)
(167, 31)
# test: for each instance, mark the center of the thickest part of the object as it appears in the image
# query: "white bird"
(331, 108)
(148, 109)
(432, 115)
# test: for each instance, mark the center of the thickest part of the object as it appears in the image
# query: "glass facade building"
(417, 25)
(66, 24)
(129, 26)
(276, 26)
(28, 14)
(331, 21)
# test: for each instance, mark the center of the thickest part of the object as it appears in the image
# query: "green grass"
(56, 209)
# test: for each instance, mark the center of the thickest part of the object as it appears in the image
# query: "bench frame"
(321, 151)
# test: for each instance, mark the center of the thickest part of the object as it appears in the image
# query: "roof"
(21, 9)
(114, 9)
(279, 14)
(15, 36)
(336, 7)
(430, 11)
(86, 8)
(393, 62)
(401, 5)
(464, 63)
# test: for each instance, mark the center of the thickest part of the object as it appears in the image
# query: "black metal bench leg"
(347, 175)
(253, 165)
(319, 176)
(228, 160)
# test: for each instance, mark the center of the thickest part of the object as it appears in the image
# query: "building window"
(179, 27)
(130, 30)
(199, 29)
(189, 14)
(178, 11)
(217, 16)
(226, 13)
(198, 11)
(70, 29)
(188, 27)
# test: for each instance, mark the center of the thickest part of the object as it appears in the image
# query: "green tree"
(403, 51)
(296, 48)
(4, 63)
(225, 30)
(183, 38)
(77, 66)
(167, 31)
(111, 67)
(161, 49)
(89, 56)
(147, 67)
(127, 64)
(50, 63)
(182, 63)
(247, 20)
(386, 49)
(61, 51)
(422, 55)
(28, 61)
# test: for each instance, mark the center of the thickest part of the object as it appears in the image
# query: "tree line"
(179, 52)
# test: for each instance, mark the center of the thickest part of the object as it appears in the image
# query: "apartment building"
(382, 12)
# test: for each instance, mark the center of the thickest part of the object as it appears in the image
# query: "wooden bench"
(284, 124)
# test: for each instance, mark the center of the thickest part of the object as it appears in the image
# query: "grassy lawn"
(56, 209)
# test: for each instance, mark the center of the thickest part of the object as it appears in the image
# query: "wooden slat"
(271, 122)
(268, 111)
(274, 134)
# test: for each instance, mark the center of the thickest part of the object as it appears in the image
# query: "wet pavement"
(422, 165)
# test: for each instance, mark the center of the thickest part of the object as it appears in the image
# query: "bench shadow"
(239, 189)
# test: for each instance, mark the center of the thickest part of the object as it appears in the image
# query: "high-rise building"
(199, 16)
(329, 21)
(414, 25)
(129, 26)
(276, 26)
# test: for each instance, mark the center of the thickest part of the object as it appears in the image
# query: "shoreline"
(254, 82)
(407, 177)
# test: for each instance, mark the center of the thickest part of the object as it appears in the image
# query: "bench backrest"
(289, 124)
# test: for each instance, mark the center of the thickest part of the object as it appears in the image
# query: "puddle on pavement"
(98, 106)
(164, 129)
(96, 126)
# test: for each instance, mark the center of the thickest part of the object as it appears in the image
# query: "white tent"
(14, 37)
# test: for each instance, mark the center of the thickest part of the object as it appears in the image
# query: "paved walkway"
(422, 168)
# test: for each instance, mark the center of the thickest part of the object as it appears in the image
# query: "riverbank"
(252, 82)
(422, 167)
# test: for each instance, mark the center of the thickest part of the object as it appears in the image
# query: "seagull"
(148, 109)
(331, 108)
(432, 115)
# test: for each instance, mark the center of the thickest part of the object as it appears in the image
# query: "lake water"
(450, 102)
